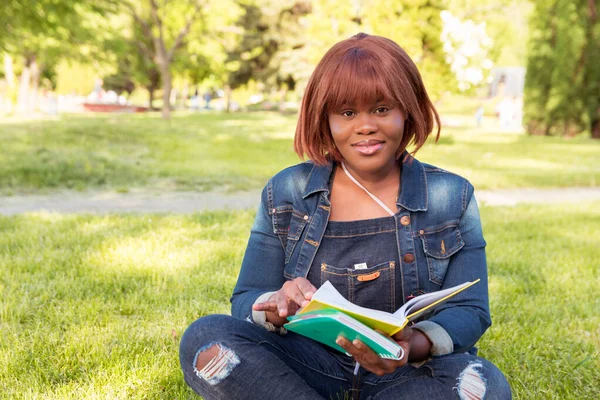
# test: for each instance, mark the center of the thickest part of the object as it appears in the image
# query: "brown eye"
(347, 113)
(381, 110)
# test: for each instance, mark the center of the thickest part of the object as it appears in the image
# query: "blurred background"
(136, 136)
(527, 63)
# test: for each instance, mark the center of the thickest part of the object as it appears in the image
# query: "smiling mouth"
(368, 147)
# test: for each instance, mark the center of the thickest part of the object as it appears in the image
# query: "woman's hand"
(287, 300)
(371, 361)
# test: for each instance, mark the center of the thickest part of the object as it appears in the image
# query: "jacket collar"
(318, 180)
(413, 193)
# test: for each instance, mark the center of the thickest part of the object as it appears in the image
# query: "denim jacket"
(437, 227)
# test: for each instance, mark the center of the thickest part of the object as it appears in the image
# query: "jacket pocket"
(439, 244)
(297, 223)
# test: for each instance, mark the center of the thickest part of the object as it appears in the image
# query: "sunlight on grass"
(488, 160)
(92, 307)
(240, 151)
(544, 280)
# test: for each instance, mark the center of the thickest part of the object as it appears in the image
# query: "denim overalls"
(434, 241)
(368, 279)
(438, 232)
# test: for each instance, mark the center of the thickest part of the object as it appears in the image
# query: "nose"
(366, 124)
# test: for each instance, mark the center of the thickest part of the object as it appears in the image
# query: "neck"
(390, 174)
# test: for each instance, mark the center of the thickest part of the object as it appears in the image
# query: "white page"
(329, 295)
(424, 300)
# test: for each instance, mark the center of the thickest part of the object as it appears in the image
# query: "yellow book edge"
(412, 316)
(374, 323)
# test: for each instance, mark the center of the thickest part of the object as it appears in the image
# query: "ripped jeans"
(253, 363)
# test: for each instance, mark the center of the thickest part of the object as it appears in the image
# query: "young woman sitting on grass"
(381, 226)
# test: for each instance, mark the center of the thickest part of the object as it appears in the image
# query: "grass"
(192, 152)
(93, 306)
(206, 151)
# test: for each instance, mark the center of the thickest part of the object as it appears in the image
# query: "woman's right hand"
(287, 300)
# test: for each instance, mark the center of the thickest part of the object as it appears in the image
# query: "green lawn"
(92, 307)
(241, 151)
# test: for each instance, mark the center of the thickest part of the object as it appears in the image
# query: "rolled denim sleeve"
(441, 342)
(466, 316)
(262, 267)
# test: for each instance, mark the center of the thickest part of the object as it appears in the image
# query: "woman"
(379, 225)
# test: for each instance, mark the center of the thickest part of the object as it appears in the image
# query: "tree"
(167, 26)
(562, 85)
(591, 79)
(40, 33)
(416, 25)
(271, 36)
(132, 52)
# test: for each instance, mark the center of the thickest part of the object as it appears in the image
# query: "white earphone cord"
(386, 208)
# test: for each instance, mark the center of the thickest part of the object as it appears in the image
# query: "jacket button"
(306, 217)
(405, 220)
(408, 258)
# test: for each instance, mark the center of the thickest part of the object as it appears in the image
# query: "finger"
(306, 288)
(269, 306)
(346, 345)
(374, 362)
(360, 351)
(404, 334)
(365, 356)
(292, 291)
(282, 305)
(366, 353)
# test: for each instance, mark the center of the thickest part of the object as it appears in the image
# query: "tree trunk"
(596, 129)
(9, 75)
(536, 128)
(227, 98)
(23, 95)
(35, 83)
(184, 94)
(283, 94)
(167, 86)
(150, 89)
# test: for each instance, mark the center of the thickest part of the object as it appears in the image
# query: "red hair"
(363, 68)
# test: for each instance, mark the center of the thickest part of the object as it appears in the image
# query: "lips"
(368, 147)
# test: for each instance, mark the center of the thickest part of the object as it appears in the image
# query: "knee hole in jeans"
(214, 362)
(471, 383)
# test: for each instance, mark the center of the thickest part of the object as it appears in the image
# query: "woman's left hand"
(370, 360)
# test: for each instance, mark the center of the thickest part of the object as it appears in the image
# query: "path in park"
(189, 202)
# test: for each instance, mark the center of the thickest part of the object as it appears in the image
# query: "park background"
(203, 98)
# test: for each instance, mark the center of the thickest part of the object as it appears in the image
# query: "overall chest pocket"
(372, 287)
(439, 244)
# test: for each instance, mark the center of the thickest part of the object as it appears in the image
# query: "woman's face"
(368, 135)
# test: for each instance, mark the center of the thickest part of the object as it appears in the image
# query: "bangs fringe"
(359, 71)
(358, 78)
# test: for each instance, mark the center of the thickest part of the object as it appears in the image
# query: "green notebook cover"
(325, 326)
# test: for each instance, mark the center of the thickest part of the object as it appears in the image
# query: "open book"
(329, 315)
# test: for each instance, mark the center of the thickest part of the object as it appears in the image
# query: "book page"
(418, 305)
(329, 296)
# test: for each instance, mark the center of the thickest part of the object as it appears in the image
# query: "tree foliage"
(415, 25)
(562, 85)
(39, 34)
(169, 25)
(269, 31)
(161, 43)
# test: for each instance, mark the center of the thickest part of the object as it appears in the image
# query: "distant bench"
(102, 107)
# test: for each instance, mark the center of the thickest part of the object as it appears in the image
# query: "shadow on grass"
(94, 306)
